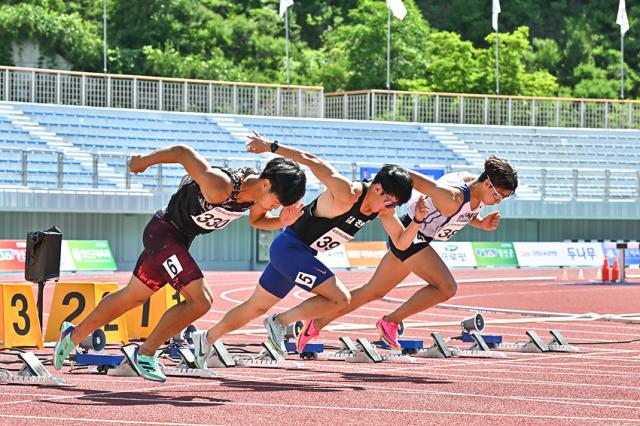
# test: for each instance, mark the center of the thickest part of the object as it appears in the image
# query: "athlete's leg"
(197, 302)
(442, 286)
(258, 304)
(390, 272)
(111, 307)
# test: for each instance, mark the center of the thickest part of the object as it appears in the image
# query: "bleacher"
(557, 163)
(99, 139)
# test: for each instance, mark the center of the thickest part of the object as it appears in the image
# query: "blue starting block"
(308, 351)
(491, 339)
(408, 345)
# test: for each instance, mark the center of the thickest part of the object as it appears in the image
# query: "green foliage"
(567, 48)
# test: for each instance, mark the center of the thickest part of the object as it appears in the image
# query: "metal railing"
(47, 169)
(161, 94)
(456, 108)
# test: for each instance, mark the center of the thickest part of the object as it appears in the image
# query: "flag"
(284, 5)
(397, 8)
(622, 18)
(495, 11)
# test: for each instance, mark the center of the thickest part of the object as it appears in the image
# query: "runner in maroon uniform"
(209, 198)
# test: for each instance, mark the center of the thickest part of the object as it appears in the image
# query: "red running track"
(597, 386)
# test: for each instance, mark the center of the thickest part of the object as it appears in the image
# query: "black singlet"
(322, 233)
(191, 213)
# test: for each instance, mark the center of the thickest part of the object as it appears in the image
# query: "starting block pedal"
(362, 352)
(268, 358)
(32, 373)
(534, 345)
(220, 358)
(440, 349)
(560, 344)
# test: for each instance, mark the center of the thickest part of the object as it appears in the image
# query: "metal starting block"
(267, 358)
(440, 349)
(537, 345)
(32, 373)
(560, 344)
(362, 352)
(118, 365)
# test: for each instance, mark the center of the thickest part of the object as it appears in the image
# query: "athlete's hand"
(289, 214)
(136, 164)
(490, 222)
(422, 210)
(257, 144)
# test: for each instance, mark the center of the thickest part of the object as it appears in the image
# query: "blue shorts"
(292, 262)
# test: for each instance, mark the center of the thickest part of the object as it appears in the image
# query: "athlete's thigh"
(428, 265)
(262, 298)
(389, 273)
(196, 290)
(332, 288)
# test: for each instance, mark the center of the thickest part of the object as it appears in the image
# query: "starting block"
(32, 373)
(362, 352)
(267, 358)
(119, 365)
(560, 344)
(440, 349)
(309, 350)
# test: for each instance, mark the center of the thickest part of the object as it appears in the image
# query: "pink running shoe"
(388, 333)
(307, 333)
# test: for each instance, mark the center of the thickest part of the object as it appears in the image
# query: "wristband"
(419, 222)
(274, 146)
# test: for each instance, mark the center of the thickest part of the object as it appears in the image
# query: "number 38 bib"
(331, 239)
(216, 218)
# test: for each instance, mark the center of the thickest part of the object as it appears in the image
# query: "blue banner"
(370, 172)
(631, 255)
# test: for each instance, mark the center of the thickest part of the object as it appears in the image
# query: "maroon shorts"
(166, 257)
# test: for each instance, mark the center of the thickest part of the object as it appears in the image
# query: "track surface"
(597, 386)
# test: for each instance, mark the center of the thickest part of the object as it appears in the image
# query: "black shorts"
(166, 257)
(423, 242)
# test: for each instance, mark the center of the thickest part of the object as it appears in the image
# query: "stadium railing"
(154, 93)
(460, 108)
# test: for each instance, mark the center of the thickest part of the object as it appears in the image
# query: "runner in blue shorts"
(209, 198)
(332, 219)
(454, 201)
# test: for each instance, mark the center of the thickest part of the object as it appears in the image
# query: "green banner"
(494, 254)
(91, 255)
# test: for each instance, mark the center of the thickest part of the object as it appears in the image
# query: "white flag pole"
(388, 49)
(623, 21)
(497, 63)
(286, 45)
(622, 66)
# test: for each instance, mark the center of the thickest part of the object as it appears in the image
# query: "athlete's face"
(269, 201)
(383, 200)
(492, 195)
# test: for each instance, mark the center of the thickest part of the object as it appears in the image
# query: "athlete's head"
(392, 187)
(287, 183)
(499, 180)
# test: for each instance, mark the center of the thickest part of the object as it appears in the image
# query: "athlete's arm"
(446, 199)
(214, 184)
(488, 223)
(261, 219)
(343, 190)
(400, 236)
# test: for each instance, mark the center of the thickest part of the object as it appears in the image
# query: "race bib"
(331, 240)
(447, 232)
(216, 218)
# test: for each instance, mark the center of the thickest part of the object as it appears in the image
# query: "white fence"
(163, 94)
(456, 108)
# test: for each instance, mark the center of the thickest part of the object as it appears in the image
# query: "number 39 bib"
(216, 218)
(331, 240)
(447, 232)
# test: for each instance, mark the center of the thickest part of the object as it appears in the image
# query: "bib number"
(305, 280)
(331, 240)
(172, 266)
(216, 218)
(447, 233)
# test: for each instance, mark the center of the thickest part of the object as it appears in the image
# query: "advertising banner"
(566, 254)
(365, 254)
(12, 255)
(455, 254)
(494, 254)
